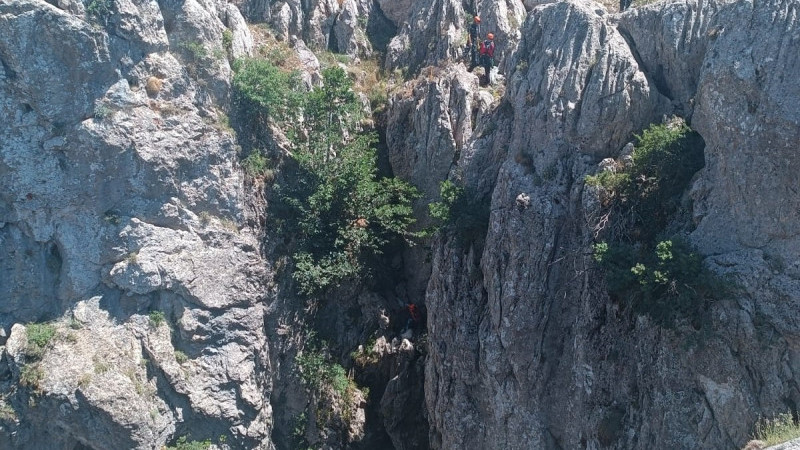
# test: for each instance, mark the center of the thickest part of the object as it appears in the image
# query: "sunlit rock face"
(526, 348)
(121, 207)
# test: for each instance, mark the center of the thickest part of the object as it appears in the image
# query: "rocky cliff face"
(352, 27)
(122, 208)
(126, 223)
(526, 349)
(436, 32)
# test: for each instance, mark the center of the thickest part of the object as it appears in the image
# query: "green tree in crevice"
(345, 211)
(339, 208)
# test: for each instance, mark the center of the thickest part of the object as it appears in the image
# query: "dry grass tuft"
(153, 86)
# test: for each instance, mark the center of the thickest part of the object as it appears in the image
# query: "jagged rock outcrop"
(396, 10)
(745, 102)
(402, 402)
(436, 32)
(120, 200)
(526, 349)
(350, 27)
(673, 56)
(121, 205)
(312, 22)
(428, 123)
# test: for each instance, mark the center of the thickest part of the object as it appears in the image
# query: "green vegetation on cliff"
(780, 429)
(341, 210)
(657, 272)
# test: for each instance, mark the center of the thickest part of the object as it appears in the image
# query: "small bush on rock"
(184, 444)
(661, 277)
(227, 42)
(642, 196)
(99, 11)
(156, 318)
(31, 376)
(317, 372)
(337, 395)
(257, 165)
(666, 282)
(262, 90)
(39, 335)
(459, 211)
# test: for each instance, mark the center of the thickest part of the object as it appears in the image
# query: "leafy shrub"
(778, 430)
(318, 372)
(184, 444)
(102, 111)
(459, 211)
(180, 357)
(257, 165)
(329, 379)
(663, 278)
(156, 318)
(450, 194)
(39, 335)
(227, 42)
(646, 194)
(666, 282)
(615, 182)
(99, 10)
(299, 425)
(7, 412)
(366, 355)
(196, 50)
(343, 212)
(31, 376)
(264, 90)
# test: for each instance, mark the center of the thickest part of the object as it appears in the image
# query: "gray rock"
(526, 348)
(311, 68)
(396, 10)
(118, 199)
(746, 111)
(94, 388)
(673, 56)
(428, 124)
(311, 21)
(349, 36)
(333, 25)
(241, 39)
(427, 129)
(435, 32)
(794, 444)
(25, 61)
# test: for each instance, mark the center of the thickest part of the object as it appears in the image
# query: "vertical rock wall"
(120, 208)
(526, 349)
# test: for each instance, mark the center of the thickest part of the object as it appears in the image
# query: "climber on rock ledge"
(487, 58)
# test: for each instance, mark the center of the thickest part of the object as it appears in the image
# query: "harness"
(487, 48)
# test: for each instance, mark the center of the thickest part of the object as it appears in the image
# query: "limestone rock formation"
(436, 31)
(339, 26)
(396, 10)
(526, 348)
(121, 199)
(122, 209)
(428, 127)
(428, 124)
(433, 33)
(745, 102)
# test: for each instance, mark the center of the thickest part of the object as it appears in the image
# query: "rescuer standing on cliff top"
(487, 58)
